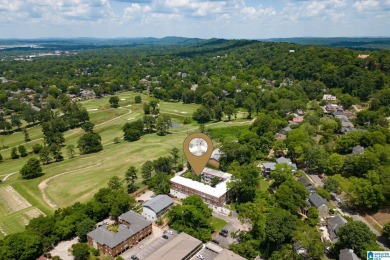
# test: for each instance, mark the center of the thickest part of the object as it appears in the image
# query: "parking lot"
(226, 241)
(206, 253)
(153, 246)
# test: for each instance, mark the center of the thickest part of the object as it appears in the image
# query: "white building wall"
(149, 214)
(213, 207)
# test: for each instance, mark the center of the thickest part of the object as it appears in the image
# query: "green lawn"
(264, 185)
(217, 223)
(77, 179)
(345, 183)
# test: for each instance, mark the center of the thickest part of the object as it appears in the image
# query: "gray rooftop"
(216, 155)
(177, 248)
(316, 200)
(305, 181)
(105, 237)
(158, 203)
(283, 160)
(348, 254)
(334, 224)
(228, 255)
(269, 165)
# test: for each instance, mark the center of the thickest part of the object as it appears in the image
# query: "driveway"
(62, 249)
(317, 181)
(148, 195)
(233, 225)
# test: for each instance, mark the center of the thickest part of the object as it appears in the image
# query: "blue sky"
(249, 19)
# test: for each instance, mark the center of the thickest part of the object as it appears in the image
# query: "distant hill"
(358, 43)
(92, 43)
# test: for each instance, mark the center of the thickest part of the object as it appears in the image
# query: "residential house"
(363, 56)
(156, 207)
(308, 185)
(285, 130)
(330, 108)
(215, 157)
(358, 150)
(279, 136)
(299, 112)
(288, 162)
(299, 249)
(320, 203)
(334, 224)
(328, 97)
(268, 167)
(194, 87)
(348, 254)
(132, 229)
(298, 119)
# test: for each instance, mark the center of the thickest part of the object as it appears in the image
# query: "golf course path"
(42, 186)
(8, 175)
(115, 118)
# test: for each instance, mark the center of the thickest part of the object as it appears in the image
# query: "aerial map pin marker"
(198, 148)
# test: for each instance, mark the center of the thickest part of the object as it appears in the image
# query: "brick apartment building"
(132, 229)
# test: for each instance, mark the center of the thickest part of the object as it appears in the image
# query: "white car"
(170, 232)
(201, 257)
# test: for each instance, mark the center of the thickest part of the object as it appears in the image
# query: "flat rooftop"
(216, 173)
(219, 190)
(177, 248)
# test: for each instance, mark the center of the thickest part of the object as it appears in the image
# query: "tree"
(149, 122)
(70, 150)
(334, 164)
(355, 235)
(309, 238)
(192, 217)
(249, 105)
(36, 148)
(282, 173)
(146, 171)
(14, 153)
(26, 135)
(80, 251)
(137, 99)
(31, 169)
(44, 155)
(114, 183)
(162, 124)
(367, 192)
(84, 227)
(114, 101)
(90, 143)
(133, 131)
(15, 121)
(163, 164)
(88, 127)
(175, 155)
(130, 177)
(280, 224)
(55, 152)
(312, 216)
(22, 246)
(291, 195)
(229, 110)
(202, 115)
(244, 184)
(332, 185)
(159, 183)
(386, 232)
(22, 150)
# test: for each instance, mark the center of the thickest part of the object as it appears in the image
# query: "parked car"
(133, 257)
(170, 232)
(201, 257)
(215, 241)
(223, 234)
(224, 231)
(165, 236)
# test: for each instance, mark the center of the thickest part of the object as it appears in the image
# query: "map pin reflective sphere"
(198, 148)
